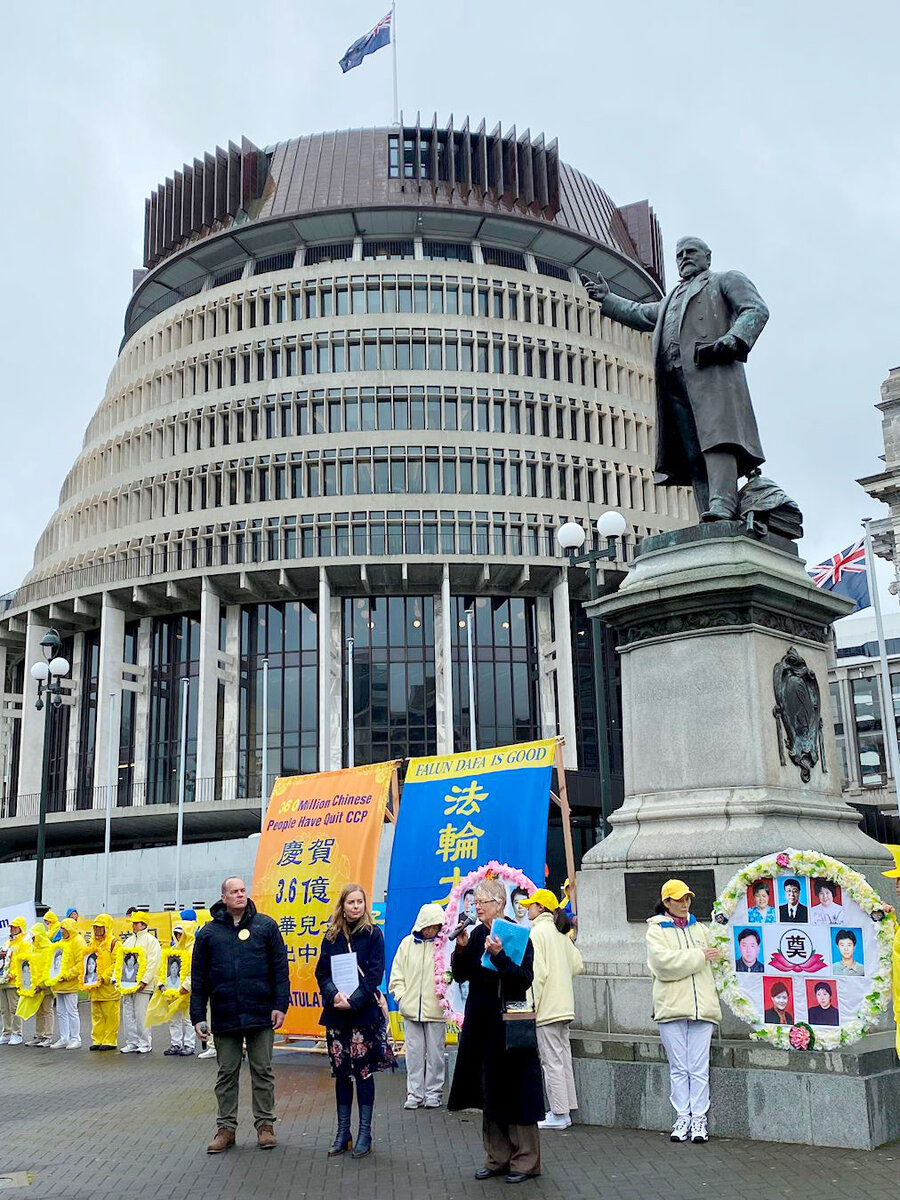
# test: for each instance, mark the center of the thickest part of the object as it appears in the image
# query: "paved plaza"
(82, 1126)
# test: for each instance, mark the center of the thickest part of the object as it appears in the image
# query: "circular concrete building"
(360, 388)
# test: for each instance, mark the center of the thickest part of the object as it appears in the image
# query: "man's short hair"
(690, 238)
(845, 933)
(749, 933)
(793, 883)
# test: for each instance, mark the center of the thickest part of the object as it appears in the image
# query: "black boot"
(364, 1137)
(342, 1140)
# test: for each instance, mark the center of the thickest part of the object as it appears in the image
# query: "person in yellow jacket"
(51, 925)
(67, 985)
(182, 1035)
(40, 1004)
(424, 1023)
(134, 1005)
(556, 962)
(105, 996)
(895, 875)
(685, 1005)
(11, 1034)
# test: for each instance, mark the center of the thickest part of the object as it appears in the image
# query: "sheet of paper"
(514, 939)
(345, 973)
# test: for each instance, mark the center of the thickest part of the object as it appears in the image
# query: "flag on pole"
(372, 41)
(845, 574)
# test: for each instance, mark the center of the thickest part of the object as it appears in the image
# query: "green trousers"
(229, 1048)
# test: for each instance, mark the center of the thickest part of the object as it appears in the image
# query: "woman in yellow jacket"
(67, 985)
(105, 996)
(182, 1036)
(556, 962)
(40, 1004)
(895, 875)
(424, 1023)
(685, 1005)
(11, 1021)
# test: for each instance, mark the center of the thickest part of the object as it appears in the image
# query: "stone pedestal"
(703, 619)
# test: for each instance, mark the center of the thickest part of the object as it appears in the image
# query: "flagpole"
(889, 720)
(394, 55)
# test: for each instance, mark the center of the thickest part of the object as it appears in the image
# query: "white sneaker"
(59, 1044)
(128, 1050)
(432, 1102)
(15, 1039)
(411, 1103)
(681, 1130)
(144, 1049)
(554, 1121)
(210, 1053)
(44, 1043)
(5, 1039)
(75, 1044)
(699, 1130)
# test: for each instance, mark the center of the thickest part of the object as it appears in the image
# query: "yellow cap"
(895, 874)
(675, 889)
(545, 898)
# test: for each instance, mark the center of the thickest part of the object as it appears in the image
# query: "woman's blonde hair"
(491, 889)
(337, 922)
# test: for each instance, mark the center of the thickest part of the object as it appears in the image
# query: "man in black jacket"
(240, 969)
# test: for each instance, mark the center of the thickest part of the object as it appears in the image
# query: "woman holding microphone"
(685, 1005)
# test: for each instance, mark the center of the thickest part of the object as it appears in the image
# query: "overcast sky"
(768, 129)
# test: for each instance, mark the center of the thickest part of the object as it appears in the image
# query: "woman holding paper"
(349, 971)
(495, 1071)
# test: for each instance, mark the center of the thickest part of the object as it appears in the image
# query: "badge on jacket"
(243, 935)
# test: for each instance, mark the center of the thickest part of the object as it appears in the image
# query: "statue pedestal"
(703, 619)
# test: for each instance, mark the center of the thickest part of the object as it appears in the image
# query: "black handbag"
(519, 1028)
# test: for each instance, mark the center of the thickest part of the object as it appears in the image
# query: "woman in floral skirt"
(355, 1024)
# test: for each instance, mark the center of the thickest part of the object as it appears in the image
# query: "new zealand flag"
(372, 41)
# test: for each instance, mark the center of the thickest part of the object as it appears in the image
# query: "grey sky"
(768, 129)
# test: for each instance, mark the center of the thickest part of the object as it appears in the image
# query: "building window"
(87, 733)
(394, 713)
(286, 635)
(840, 734)
(869, 733)
(507, 705)
(174, 655)
(59, 746)
(127, 723)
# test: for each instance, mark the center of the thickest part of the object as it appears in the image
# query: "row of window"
(380, 470)
(312, 299)
(353, 410)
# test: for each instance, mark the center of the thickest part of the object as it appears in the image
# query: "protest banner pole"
(889, 720)
(394, 56)
(393, 806)
(264, 787)
(563, 801)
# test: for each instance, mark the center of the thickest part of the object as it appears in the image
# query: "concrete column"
(565, 671)
(232, 713)
(208, 689)
(32, 743)
(443, 666)
(545, 658)
(142, 712)
(109, 683)
(324, 656)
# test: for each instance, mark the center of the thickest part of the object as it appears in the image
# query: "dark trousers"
(713, 472)
(229, 1048)
(517, 1147)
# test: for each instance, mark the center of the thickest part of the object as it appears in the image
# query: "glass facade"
(174, 656)
(287, 635)
(586, 699)
(507, 703)
(87, 728)
(394, 712)
(127, 722)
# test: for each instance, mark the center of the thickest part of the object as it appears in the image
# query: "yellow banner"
(502, 758)
(321, 832)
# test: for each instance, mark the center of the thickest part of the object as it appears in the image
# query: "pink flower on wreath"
(783, 860)
(799, 1037)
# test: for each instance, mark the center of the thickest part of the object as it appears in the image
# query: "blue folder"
(514, 939)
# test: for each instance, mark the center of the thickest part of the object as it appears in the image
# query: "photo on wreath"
(56, 962)
(778, 1000)
(131, 964)
(748, 950)
(177, 964)
(89, 976)
(847, 952)
(27, 982)
(761, 902)
(822, 1002)
(827, 903)
(793, 900)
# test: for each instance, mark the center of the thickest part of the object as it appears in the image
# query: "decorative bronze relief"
(798, 714)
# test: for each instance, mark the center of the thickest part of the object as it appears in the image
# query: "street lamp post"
(571, 537)
(48, 675)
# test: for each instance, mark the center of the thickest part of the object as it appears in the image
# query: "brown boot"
(265, 1137)
(223, 1141)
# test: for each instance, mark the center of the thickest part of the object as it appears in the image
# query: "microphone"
(464, 923)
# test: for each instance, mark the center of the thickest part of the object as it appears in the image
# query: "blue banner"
(459, 811)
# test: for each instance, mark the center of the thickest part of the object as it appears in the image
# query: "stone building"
(360, 387)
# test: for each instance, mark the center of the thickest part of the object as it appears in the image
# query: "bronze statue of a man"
(703, 331)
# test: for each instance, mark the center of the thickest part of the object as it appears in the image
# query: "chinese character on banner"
(291, 854)
(454, 843)
(464, 801)
(320, 850)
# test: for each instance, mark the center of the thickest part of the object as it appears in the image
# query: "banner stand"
(562, 800)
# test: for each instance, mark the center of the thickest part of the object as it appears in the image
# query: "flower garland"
(442, 977)
(853, 884)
